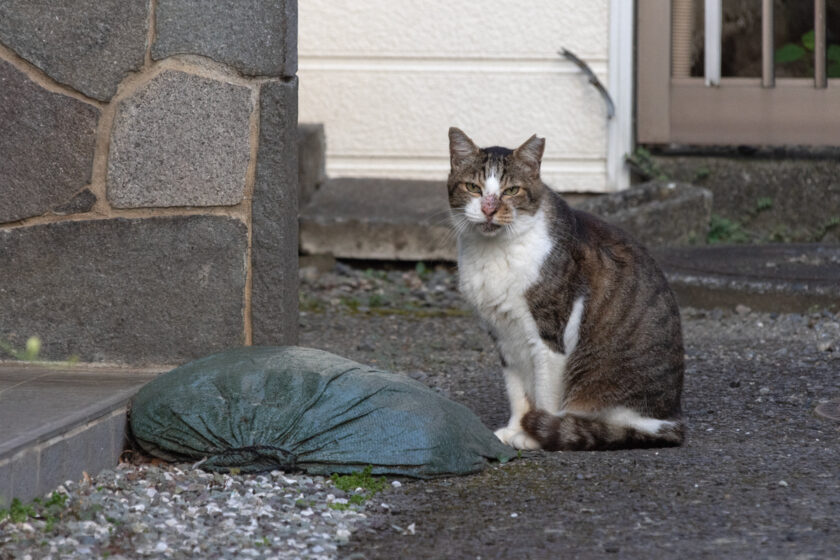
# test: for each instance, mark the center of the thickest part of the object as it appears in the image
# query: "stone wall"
(148, 177)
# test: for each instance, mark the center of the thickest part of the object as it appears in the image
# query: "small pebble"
(826, 346)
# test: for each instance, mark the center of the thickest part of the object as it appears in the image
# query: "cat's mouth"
(489, 228)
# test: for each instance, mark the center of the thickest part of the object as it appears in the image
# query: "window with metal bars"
(732, 72)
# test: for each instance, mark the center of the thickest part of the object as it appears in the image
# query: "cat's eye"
(510, 191)
(473, 188)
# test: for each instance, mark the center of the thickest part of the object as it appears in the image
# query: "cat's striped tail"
(615, 428)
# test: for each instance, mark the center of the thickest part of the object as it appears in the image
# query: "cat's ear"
(460, 147)
(531, 152)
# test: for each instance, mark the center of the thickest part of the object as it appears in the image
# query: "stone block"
(80, 203)
(89, 46)
(5, 484)
(95, 446)
(657, 213)
(312, 160)
(25, 469)
(180, 140)
(256, 37)
(380, 219)
(61, 461)
(88, 450)
(119, 434)
(274, 252)
(156, 290)
(46, 145)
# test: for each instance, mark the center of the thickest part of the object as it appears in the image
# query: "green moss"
(826, 227)
(701, 174)
(263, 542)
(377, 300)
(49, 511)
(17, 512)
(370, 484)
(310, 304)
(351, 303)
(763, 203)
(376, 274)
(417, 313)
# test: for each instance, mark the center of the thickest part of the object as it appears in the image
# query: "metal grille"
(713, 11)
(674, 107)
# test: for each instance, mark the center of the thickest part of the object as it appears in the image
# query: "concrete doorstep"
(378, 219)
(58, 421)
(388, 219)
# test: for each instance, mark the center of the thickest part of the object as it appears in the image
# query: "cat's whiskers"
(512, 227)
(461, 226)
(458, 224)
(442, 217)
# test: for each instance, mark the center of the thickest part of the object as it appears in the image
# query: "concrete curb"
(775, 278)
(58, 422)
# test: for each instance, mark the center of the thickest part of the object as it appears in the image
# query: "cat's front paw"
(516, 438)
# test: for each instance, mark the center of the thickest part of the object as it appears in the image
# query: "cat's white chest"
(495, 273)
(495, 276)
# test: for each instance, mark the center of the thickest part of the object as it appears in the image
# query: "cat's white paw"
(505, 434)
(516, 438)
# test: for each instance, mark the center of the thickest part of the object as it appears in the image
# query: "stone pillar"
(148, 177)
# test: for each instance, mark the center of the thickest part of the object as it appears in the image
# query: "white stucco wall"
(388, 77)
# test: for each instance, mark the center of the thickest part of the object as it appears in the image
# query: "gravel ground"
(175, 511)
(758, 476)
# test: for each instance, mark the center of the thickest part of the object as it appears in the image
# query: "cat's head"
(493, 189)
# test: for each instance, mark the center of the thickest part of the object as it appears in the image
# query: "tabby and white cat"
(587, 328)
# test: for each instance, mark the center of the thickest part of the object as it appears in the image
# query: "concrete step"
(57, 422)
(384, 219)
(380, 219)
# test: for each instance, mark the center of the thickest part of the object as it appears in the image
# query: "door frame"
(620, 85)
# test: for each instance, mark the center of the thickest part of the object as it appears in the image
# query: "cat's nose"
(489, 205)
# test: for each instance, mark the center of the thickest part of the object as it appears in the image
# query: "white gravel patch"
(174, 511)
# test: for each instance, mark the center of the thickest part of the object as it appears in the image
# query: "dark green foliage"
(795, 52)
(724, 230)
(421, 269)
(642, 163)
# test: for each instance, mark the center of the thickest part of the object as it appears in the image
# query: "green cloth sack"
(263, 408)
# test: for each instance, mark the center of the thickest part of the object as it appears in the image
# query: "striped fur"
(587, 327)
(588, 432)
